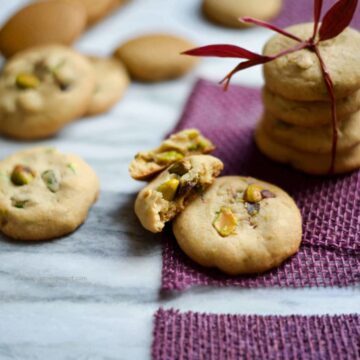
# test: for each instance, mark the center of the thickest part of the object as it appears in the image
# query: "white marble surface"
(92, 295)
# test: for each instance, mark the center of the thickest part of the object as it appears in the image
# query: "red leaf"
(337, 19)
(317, 13)
(225, 51)
(264, 24)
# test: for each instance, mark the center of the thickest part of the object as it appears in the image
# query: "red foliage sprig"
(337, 18)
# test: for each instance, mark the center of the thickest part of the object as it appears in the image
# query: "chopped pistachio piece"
(267, 194)
(253, 193)
(62, 78)
(225, 222)
(191, 133)
(169, 157)
(22, 175)
(27, 81)
(19, 204)
(203, 144)
(252, 208)
(180, 168)
(186, 187)
(168, 189)
(58, 66)
(72, 167)
(52, 180)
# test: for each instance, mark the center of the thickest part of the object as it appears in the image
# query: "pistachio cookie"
(311, 163)
(317, 140)
(240, 225)
(43, 22)
(184, 143)
(44, 194)
(298, 75)
(228, 12)
(168, 194)
(42, 89)
(309, 113)
(156, 57)
(111, 83)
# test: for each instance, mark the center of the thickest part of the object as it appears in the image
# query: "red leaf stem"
(264, 24)
(334, 120)
(317, 13)
(242, 66)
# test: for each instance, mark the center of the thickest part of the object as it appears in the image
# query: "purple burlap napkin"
(330, 251)
(298, 11)
(182, 336)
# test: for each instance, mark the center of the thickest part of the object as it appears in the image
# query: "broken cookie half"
(168, 194)
(179, 145)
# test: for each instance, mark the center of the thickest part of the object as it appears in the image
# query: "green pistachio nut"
(72, 167)
(19, 203)
(22, 175)
(27, 81)
(180, 168)
(252, 208)
(253, 193)
(191, 133)
(51, 179)
(168, 157)
(225, 222)
(168, 189)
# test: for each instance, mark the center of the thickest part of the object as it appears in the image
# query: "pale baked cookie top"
(44, 194)
(183, 143)
(156, 57)
(228, 12)
(298, 75)
(240, 225)
(168, 194)
(43, 23)
(42, 89)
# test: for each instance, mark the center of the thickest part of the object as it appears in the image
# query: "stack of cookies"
(296, 125)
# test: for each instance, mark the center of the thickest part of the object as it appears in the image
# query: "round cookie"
(42, 89)
(228, 12)
(156, 57)
(298, 76)
(111, 82)
(309, 113)
(315, 164)
(317, 140)
(43, 22)
(168, 194)
(44, 194)
(240, 225)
